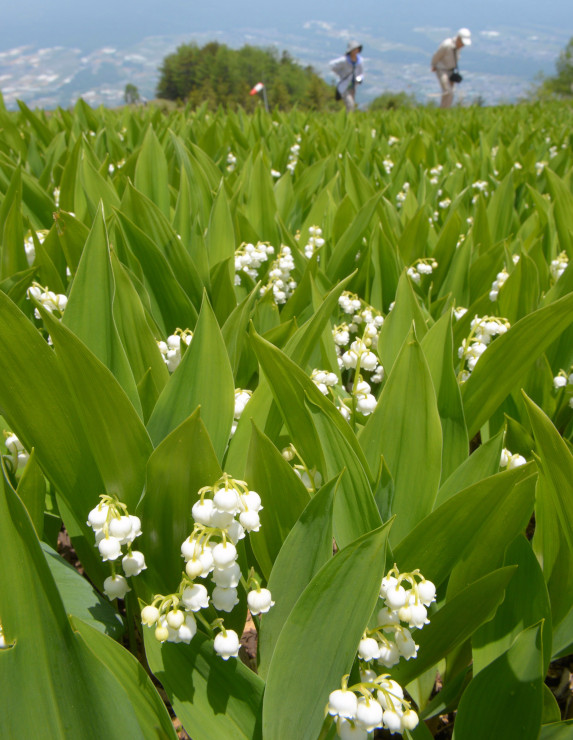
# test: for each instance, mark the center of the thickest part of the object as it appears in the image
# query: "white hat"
(465, 36)
(355, 45)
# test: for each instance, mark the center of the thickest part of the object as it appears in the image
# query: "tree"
(562, 83)
(218, 75)
(131, 94)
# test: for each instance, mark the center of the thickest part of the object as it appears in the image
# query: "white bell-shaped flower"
(227, 577)
(224, 599)
(392, 720)
(120, 527)
(369, 713)
(226, 499)
(149, 615)
(260, 601)
(235, 531)
(195, 597)
(115, 587)
(109, 548)
(347, 730)
(409, 720)
(368, 649)
(396, 597)
(188, 629)
(98, 516)
(389, 655)
(227, 645)
(202, 511)
(133, 563)
(250, 520)
(405, 644)
(342, 703)
(224, 554)
(426, 592)
(175, 618)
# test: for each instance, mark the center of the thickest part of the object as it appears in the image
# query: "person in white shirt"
(445, 61)
(350, 72)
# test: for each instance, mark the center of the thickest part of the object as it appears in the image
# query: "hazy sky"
(91, 24)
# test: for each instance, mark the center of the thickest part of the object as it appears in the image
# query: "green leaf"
(526, 603)
(151, 173)
(112, 426)
(506, 361)
(398, 324)
(80, 599)
(32, 492)
(398, 430)
(283, 495)
(342, 259)
(307, 547)
(213, 698)
(440, 540)
(518, 673)
(49, 676)
(171, 490)
(557, 731)
(89, 311)
(304, 668)
(437, 346)
(204, 378)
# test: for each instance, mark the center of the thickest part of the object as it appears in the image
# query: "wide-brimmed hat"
(354, 45)
(465, 36)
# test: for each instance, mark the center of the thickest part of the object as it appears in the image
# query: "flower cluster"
(509, 460)
(231, 162)
(222, 515)
(483, 329)
(242, 397)
(293, 156)
(561, 380)
(378, 700)
(55, 303)
(16, 449)
(311, 477)
(171, 350)
(249, 258)
(497, 284)
(114, 528)
(280, 280)
(402, 195)
(388, 165)
(435, 173)
(30, 247)
(421, 267)
(315, 241)
(558, 266)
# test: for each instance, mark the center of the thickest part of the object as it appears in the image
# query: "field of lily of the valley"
(293, 395)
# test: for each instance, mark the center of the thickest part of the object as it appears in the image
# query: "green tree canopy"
(218, 75)
(562, 82)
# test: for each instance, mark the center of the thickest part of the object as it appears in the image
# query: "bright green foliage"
(392, 373)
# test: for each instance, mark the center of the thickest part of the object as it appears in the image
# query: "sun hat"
(465, 36)
(354, 45)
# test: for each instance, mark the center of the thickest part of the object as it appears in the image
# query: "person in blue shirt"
(350, 72)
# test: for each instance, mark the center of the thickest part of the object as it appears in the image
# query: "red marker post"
(257, 89)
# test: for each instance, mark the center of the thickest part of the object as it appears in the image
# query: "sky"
(88, 24)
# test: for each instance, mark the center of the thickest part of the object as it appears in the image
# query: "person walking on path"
(445, 62)
(350, 72)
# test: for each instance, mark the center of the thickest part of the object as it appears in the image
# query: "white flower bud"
(175, 618)
(369, 714)
(426, 592)
(409, 720)
(226, 499)
(224, 554)
(149, 615)
(368, 649)
(250, 520)
(202, 511)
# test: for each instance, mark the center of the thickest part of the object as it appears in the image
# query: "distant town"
(500, 67)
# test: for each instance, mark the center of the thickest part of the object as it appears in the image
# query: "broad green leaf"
(151, 171)
(342, 259)
(32, 492)
(221, 233)
(304, 668)
(518, 673)
(557, 731)
(436, 544)
(437, 346)
(170, 492)
(89, 311)
(114, 431)
(398, 324)
(283, 496)
(80, 599)
(307, 547)
(491, 539)
(151, 712)
(213, 698)
(204, 378)
(526, 603)
(506, 361)
(49, 676)
(406, 423)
